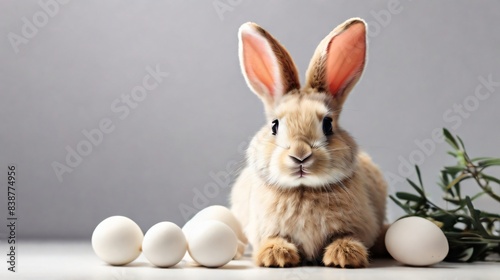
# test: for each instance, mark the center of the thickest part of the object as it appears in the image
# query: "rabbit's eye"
(275, 127)
(327, 126)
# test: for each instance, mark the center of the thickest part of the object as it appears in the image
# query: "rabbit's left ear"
(338, 61)
(267, 66)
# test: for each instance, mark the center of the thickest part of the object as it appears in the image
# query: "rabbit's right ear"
(267, 66)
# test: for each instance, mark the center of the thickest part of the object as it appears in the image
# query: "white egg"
(224, 215)
(416, 241)
(117, 240)
(211, 243)
(164, 244)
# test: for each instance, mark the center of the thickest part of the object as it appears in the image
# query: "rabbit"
(307, 193)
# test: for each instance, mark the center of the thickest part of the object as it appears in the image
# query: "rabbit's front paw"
(277, 252)
(346, 253)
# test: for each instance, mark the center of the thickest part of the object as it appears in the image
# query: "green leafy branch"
(472, 234)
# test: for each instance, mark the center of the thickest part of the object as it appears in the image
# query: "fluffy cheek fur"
(332, 160)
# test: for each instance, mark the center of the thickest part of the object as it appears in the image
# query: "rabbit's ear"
(267, 66)
(339, 60)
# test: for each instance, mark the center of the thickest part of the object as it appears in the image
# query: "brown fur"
(346, 252)
(336, 211)
(277, 252)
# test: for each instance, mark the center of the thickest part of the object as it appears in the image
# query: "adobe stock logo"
(39, 19)
(122, 107)
(223, 6)
(382, 18)
(453, 117)
(220, 180)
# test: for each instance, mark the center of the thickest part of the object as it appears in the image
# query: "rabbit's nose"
(300, 152)
(300, 160)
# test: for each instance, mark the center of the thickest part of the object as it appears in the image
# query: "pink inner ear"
(346, 57)
(258, 63)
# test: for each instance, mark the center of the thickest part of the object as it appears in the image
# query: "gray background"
(422, 61)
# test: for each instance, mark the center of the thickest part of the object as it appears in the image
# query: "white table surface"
(76, 260)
